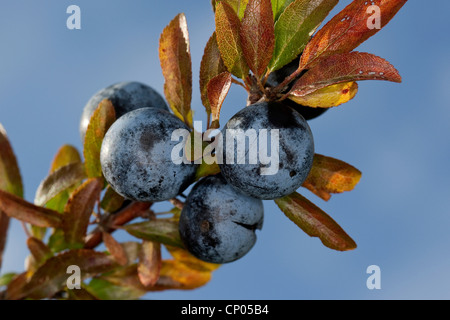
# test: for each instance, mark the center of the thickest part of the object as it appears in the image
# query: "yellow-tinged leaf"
(328, 97)
(329, 175)
(189, 260)
(218, 88)
(315, 222)
(67, 154)
(103, 117)
(177, 275)
(175, 58)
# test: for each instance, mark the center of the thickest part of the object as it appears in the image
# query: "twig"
(177, 203)
(133, 211)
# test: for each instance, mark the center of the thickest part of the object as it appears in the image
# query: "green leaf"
(22, 210)
(58, 203)
(81, 294)
(67, 154)
(162, 230)
(211, 66)
(175, 58)
(295, 27)
(103, 117)
(258, 35)
(278, 7)
(315, 222)
(112, 201)
(79, 209)
(58, 181)
(228, 40)
(57, 243)
(52, 276)
(6, 278)
(347, 30)
(106, 290)
(205, 170)
(345, 67)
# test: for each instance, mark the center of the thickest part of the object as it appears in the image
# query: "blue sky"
(396, 134)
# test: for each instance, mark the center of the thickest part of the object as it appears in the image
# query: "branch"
(133, 211)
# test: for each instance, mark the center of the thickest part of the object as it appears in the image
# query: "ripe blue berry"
(136, 156)
(217, 223)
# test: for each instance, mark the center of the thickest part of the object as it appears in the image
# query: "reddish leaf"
(39, 250)
(4, 224)
(52, 276)
(81, 295)
(67, 154)
(315, 222)
(115, 249)
(228, 39)
(175, 58)
(258, 35)
(348, 29)
(149, 263)
(353, 66)
(212, 65)
(16, 286)
(330, 175)
(103, 117)
(22, 210)
(58, 181)
(218, 89)
(79, 209)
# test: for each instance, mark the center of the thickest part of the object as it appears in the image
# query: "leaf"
(278, 7)
(103, 117)
(205, 170)
(177, 275)
(238, 6)
(112, 201)
(6, 278)
(16, 286)
(115, 249)
(258, 35)
(79, 209)
(315, 222)
(57, 243)
(52, 276)
(353, 66)
(39, 250)
(10, 178)
(211, 66)
(58, 203)
(330, 175)
(106, 290)
(132, 250)
(149, 263)
(228, 40)
(4, 225)
(347, 30)
(24, 211)
(218, 89)
(294, 28)
(58, 181)
(183, 256)
(331, 96)
(175, 58)
(81, 295)
(162, 230)
(10, 181)
(67, 154)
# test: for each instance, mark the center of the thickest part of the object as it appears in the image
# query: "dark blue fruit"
(136, 156)
(277, 77)
(291, 154)
(125, 97)
(218, 223)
